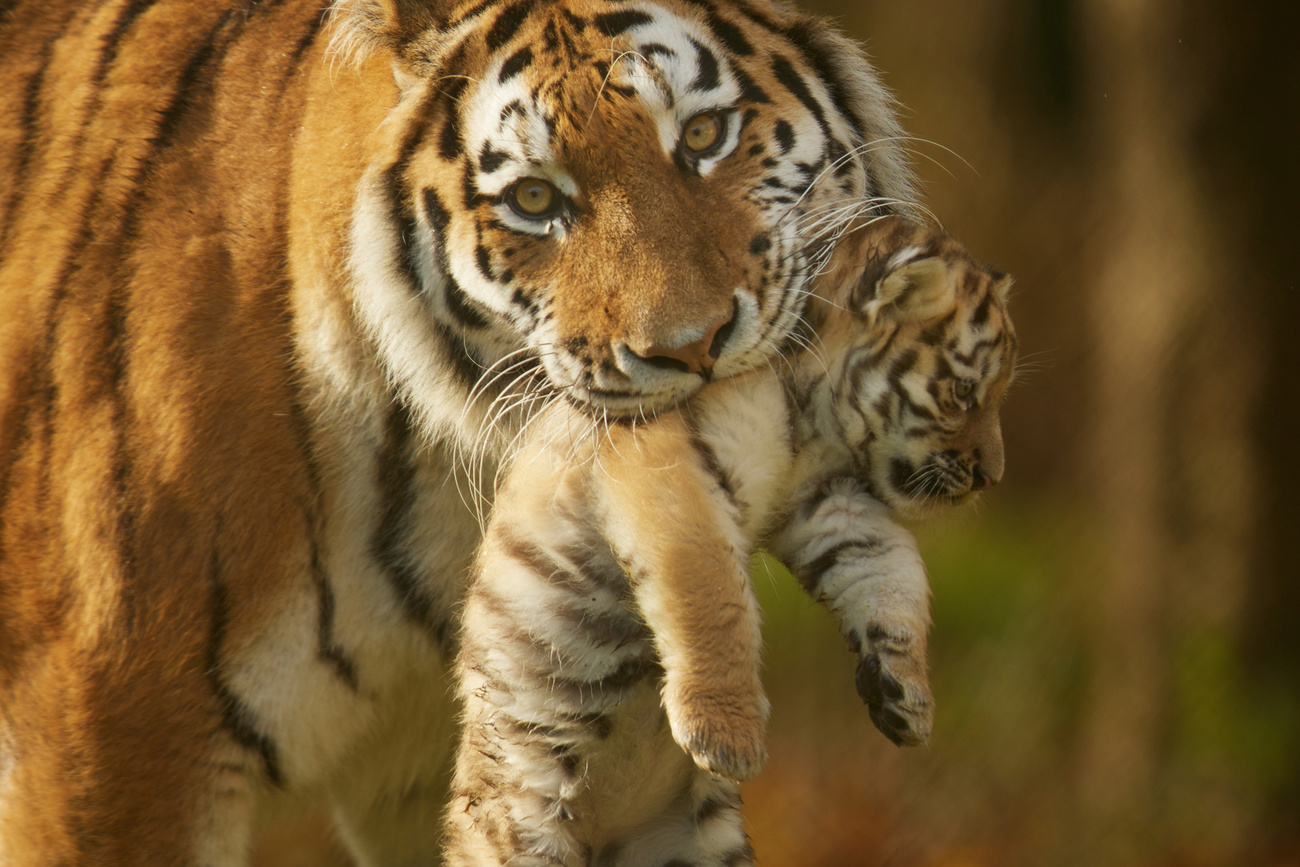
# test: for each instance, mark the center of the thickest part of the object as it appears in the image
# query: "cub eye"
(534, 198)
(702, 132)
(963, 388)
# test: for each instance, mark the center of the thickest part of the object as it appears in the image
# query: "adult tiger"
(274, 278)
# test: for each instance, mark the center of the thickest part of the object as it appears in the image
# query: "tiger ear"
(398, 27)
(914, 289)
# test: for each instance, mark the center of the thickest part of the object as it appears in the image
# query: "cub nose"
(696, 357)
(981, 480)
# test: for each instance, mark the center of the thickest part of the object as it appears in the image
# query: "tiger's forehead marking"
(670, 64)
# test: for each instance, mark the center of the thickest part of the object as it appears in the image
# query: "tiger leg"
(513, 791)
(549, 650)
(677, 532)
(702, 827)
(849, 555)
(101, 763)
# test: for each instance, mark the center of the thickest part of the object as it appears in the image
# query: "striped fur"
(609, 663)
(269, 320)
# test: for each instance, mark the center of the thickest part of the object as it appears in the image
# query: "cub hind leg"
(703, 827)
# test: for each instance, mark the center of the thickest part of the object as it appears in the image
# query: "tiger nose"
(696, 357)
(982, 479)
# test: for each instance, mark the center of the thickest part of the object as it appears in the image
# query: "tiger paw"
(723, 737)
(892, 680)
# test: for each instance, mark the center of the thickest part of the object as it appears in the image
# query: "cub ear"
(914, 287)
(398, 27)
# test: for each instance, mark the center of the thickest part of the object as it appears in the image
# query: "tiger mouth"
(933, 481)
(628, 404)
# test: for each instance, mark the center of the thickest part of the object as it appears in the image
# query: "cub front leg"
(849, 555)
(678, 535)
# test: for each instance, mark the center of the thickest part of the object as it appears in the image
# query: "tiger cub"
(613, 579)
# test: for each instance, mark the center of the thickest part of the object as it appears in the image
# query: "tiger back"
(612, 592)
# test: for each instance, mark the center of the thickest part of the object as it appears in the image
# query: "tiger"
(609, 661)
(281, 281)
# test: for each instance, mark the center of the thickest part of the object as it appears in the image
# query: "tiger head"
(632, 195)
(916, 352)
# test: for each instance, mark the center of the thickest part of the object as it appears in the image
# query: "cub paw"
(723, 738)
(892, 680)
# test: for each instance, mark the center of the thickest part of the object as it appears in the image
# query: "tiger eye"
(702, 132)
(963, 389)
(533, 197)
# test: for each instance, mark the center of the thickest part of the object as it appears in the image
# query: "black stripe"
(901, 365)
(784, 136)
(731, 36)
(707, 78)
(182, 102)
(793, 82)
(749, 91)
(802, 35)
(540, 563)
(459, 304)
(715, 805)
(307, 39)
(713, 466)
(27, 148)
(515, 64)
(650, 49)
(810, 577)
(483, 259)
(326, 647)
(474, 11)
(467, 367)
(507, 24)
(576, 23)
(388, 544)
(614, 23)
(981, 314)
(740, 856)
(901, 472)
(450, 142)
(116, 362)
(602, 629)
(627, 674)
(906, 404)
(112, 40)
(490, 159)
(29, 383)
(407, 231)
(236, 717)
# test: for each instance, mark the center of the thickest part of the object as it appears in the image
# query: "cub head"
(629, 196)
(921, 351)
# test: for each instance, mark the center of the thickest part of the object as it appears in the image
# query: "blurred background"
(1114, 656)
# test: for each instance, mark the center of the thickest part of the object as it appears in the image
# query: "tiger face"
(925, 350)
(634, 194)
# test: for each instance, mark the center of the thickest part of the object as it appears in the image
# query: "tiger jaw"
(939, 481)
(623, 380)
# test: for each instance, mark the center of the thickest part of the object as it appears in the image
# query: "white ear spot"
(902, 257)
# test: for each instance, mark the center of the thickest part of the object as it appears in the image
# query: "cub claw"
(723, 735)
(734, 755)
(897, 694)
